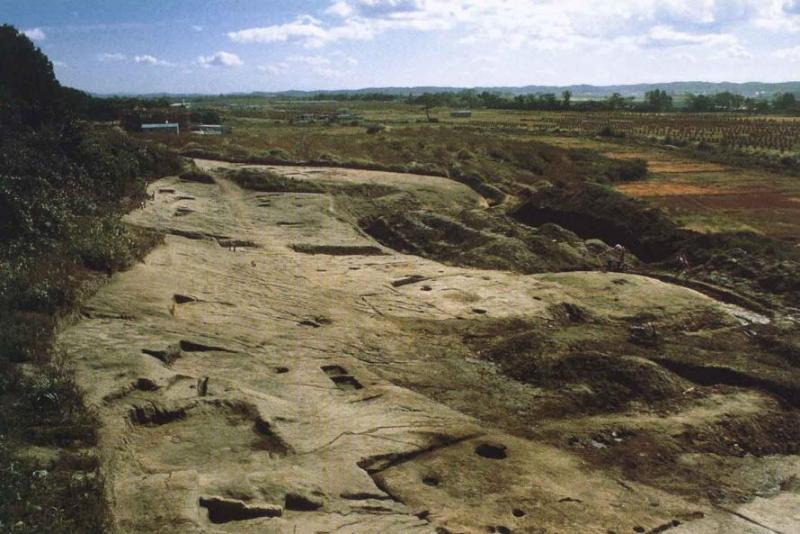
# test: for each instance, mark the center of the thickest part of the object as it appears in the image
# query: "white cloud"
(220, 59)
(197, 28)
(303, 27)
(336, 65)
(341, 9)
(541, 24)
(147, 59)
(314, 61)
(275, 68)
(373, 8)
(667, 36)
(35, 34)
(106, 57)
(790, 54)
(735, 51)
(779, 15)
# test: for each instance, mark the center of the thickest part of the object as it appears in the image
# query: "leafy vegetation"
(655, 100)
(272, 182)
(64, 184)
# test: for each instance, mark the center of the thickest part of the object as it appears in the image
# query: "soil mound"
(482, 239)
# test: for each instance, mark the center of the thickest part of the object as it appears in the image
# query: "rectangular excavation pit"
(334, 370)
(236, 243)
(338, 250)
(408, 280)
(346, 383)
(191, 346)
(154, 414)
(226, 510)
(339, 376)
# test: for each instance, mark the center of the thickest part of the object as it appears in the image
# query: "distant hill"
(749, 89)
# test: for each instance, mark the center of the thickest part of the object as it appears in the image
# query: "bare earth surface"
(345, 394)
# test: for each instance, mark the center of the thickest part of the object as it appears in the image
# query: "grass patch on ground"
(272, 182)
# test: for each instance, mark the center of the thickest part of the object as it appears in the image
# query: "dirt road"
(270, 368)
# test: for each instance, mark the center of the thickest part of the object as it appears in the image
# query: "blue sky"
(214, 46)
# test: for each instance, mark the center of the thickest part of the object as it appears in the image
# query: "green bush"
(63, 186)
(103, 244)
(279, 154)
(24, 337)
(269, 181)
(197, 176)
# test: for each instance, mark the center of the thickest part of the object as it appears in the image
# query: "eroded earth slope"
(272, 368)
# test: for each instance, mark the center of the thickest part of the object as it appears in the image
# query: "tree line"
(657, 101)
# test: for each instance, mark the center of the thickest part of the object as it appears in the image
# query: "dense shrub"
(64, 185)
(268, 181)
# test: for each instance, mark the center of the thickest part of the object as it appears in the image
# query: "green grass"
(62, 198)
(272, 182)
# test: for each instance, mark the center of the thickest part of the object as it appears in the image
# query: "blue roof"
(160, 125)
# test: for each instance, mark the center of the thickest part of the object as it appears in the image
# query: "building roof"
(160, 125)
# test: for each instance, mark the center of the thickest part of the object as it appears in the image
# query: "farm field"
(704, 196)
(707, 195)
(778, 134)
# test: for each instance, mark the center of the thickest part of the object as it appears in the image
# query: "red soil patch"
(752, 200)
(667, 189)
(668, 166)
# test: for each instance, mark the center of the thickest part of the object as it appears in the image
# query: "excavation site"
(277, 366)
(399, 267)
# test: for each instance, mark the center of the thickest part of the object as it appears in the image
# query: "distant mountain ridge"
(747, 89)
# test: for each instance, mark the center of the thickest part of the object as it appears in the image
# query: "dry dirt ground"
(270, 368)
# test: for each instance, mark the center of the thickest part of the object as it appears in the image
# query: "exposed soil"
(663, 165)
(262, 388)
(754, 200)
(665, 189)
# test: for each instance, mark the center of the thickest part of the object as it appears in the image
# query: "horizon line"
(438, 87)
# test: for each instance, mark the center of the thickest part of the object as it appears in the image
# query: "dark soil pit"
(334, 370)
(408, 280)
(347, 383)
(226, 510)
(191, 346)
(431, 481)
(300, 503)
(338, 250)
(492, 451)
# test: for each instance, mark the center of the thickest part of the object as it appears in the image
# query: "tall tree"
(566, 99)
(658, 100)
